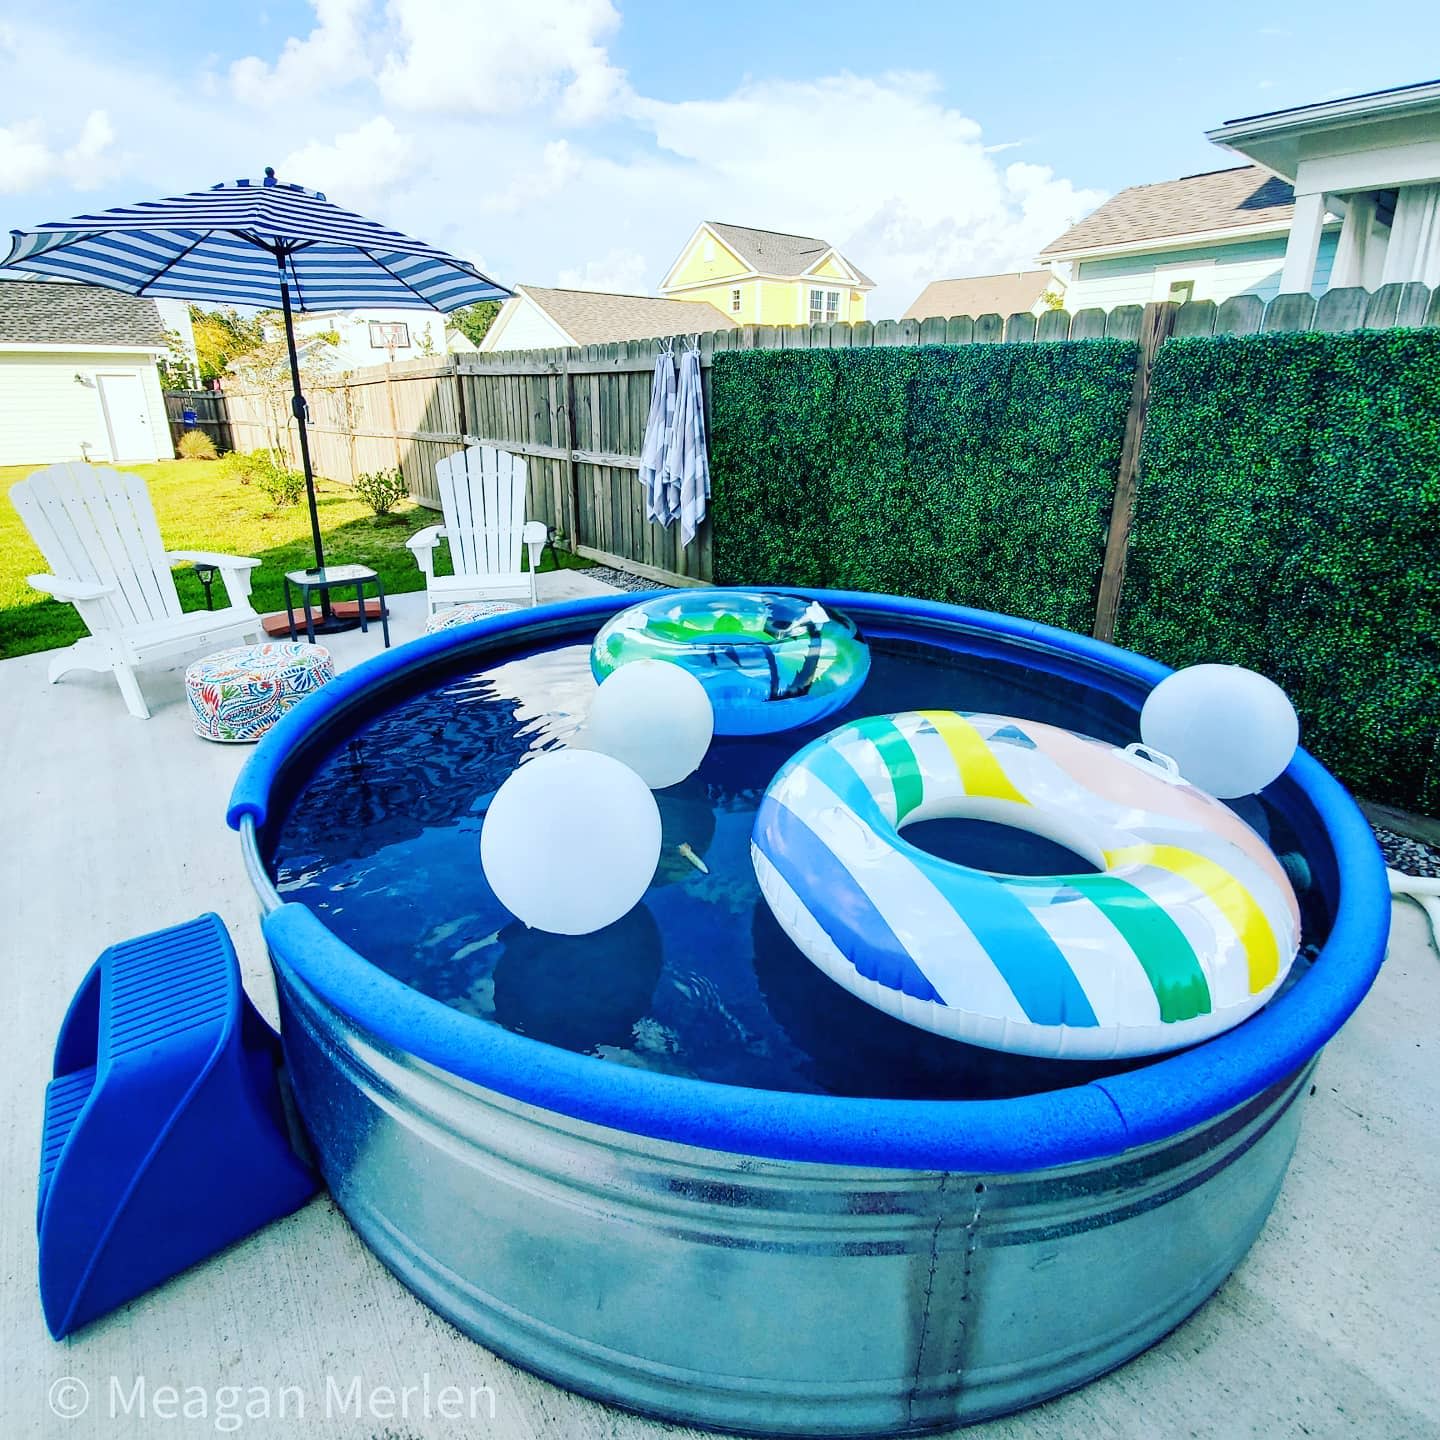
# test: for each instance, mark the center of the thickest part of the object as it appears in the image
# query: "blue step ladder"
(166, 1136)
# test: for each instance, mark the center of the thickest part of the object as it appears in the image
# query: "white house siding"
(1239, 267)
(523, 325)
(46, 415)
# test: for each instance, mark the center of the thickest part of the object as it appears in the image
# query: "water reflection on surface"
(699, 980)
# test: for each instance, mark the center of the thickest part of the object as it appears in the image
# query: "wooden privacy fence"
(578, 415)
(211, 415)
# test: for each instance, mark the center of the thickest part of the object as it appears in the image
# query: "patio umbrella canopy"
(258, 243)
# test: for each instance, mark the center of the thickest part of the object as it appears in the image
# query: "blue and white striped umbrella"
(231, 244)
(260, 243)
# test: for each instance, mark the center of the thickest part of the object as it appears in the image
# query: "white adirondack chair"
(97, 529)
(482, 496)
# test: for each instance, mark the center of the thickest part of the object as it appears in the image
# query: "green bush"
(196, 445)
(382, 490)
(282, 485)
(246, 467)
(977, 474)
(1287, 519)
(267, 471)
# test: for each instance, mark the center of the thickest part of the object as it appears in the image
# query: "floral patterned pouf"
(236, 695)
(465, 614)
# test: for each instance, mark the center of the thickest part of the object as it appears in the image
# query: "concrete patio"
(115, 826)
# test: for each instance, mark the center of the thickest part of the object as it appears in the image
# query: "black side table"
(335, 577)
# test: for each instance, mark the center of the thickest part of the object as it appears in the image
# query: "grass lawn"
(200, 509)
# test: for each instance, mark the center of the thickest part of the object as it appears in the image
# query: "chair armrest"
(426, 539)
(534, 535)
(208, 557)
(69, 590)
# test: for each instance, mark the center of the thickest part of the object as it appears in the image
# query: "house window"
(824, 306)
(1181, 291)
(389, 335)
(735, 301)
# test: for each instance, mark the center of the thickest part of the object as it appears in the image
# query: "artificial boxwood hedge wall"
(1288, 518)
(977, 474)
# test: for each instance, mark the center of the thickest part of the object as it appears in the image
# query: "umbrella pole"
(297, 408)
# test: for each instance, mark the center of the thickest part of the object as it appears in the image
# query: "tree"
(473, 321)
(222, 336)
(265, 368)
(176, 371)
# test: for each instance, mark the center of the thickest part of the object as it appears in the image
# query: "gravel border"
(621, 579)
(1408, 856)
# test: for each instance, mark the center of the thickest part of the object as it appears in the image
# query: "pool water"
(383, 844)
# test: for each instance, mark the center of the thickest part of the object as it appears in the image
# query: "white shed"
(78, 375)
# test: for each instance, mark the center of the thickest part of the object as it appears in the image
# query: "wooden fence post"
(572, 470)
(462, 421)
(1156, 326)
(394, 421)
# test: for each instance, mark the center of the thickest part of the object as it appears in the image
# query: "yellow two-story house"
(764, 277)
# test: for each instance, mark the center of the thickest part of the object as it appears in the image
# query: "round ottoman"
(466, 614)
(236, 695)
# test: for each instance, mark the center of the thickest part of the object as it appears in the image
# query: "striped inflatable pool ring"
(1189, 926)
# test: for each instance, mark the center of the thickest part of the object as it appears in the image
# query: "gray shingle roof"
(598, 317)
(1217, 200)
(773, 252)
(983, 295)
(45, 313)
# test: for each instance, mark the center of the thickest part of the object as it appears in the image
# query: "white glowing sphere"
(571, 841)
(654, 717)
(1230, 730)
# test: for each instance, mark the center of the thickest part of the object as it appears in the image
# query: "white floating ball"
(570, 841)
(1230, 730)
(654, 717)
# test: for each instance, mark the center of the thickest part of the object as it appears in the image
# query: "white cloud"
(27, 160)
(535, 178)
(508, 131)
(502, 57)
(358, 168)
(334, 53)
(879, 166)
(626, 271)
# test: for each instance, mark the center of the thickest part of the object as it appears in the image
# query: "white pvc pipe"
(1424, 891)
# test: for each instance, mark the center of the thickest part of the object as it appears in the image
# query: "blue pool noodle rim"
(1085, 1122)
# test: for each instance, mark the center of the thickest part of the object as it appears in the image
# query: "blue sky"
(579, 141)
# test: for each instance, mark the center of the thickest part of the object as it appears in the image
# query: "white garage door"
(126, 417)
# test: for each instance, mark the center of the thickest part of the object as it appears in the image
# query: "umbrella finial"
(270, 175)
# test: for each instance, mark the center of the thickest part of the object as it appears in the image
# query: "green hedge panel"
(978, 474)
(1288, 518)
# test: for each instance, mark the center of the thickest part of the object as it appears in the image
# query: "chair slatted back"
(482, 494)
(98, 526)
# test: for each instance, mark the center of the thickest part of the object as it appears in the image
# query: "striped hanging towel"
(687, 466)
(657, 434)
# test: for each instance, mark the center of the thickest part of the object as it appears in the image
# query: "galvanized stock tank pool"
(672, 1165)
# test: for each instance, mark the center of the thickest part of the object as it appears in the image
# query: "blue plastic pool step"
(165, 1135)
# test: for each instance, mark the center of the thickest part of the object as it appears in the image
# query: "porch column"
(1304, 244)
(1349, 267)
